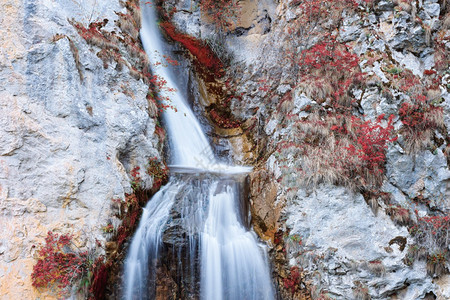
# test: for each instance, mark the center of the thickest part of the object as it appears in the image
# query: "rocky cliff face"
(72, 128)
(305, 84)
(341, 227)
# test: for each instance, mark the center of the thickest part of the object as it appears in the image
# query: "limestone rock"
(426, 175)
(67, 136)
(341, 237)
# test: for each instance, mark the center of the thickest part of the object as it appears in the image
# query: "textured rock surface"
(71, 131)
(66, 144)
(351, 240)
(346, 251)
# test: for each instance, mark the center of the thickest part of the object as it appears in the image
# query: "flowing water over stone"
(199, 210)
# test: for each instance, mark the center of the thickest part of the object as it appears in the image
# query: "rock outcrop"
(71, 131)
(348, 242)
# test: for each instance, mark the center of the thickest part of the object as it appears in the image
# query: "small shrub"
(433, 239)
(441, 60)
(420, 119)
(136, 180)
(132, 211)
(415, 252)
(94, 35)
(433, 231)
(338, 149)
(292, 282)
(436, 263)
(328, 70)
(59, 265)
(372, 140)
(398, 214)
(159, 171)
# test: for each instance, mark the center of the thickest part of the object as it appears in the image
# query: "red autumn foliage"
(336, 148)
(372, 140)
(292, 282)
(437, 258)
(96, 36)
(327, 55)
(330, 67)
(420, 115)
(420, 120)
(434, 225)
(222, 121)
(58, 264)
(130, 219)
(429, 72)
(398, 214)
(196, 47)
(432, 235)
(157, 85)
(99, 279)
(159, 171)
(135, 178)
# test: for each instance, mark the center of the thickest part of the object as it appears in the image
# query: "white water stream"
(232, 264)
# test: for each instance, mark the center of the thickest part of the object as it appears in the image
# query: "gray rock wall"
(347, 250)
(69, 133)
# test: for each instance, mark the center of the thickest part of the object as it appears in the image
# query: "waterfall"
(205, 195)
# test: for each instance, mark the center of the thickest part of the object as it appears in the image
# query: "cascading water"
(206, 196)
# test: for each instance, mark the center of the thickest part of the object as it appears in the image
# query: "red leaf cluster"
(58, 265)
(330, 63)
(159, 171)
(420, 115)
(197, 48)
(292, 282)
(129, 222)
(372, 140)
(99, 279)
(135, 178)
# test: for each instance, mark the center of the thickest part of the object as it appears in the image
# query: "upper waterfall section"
(189, 145)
